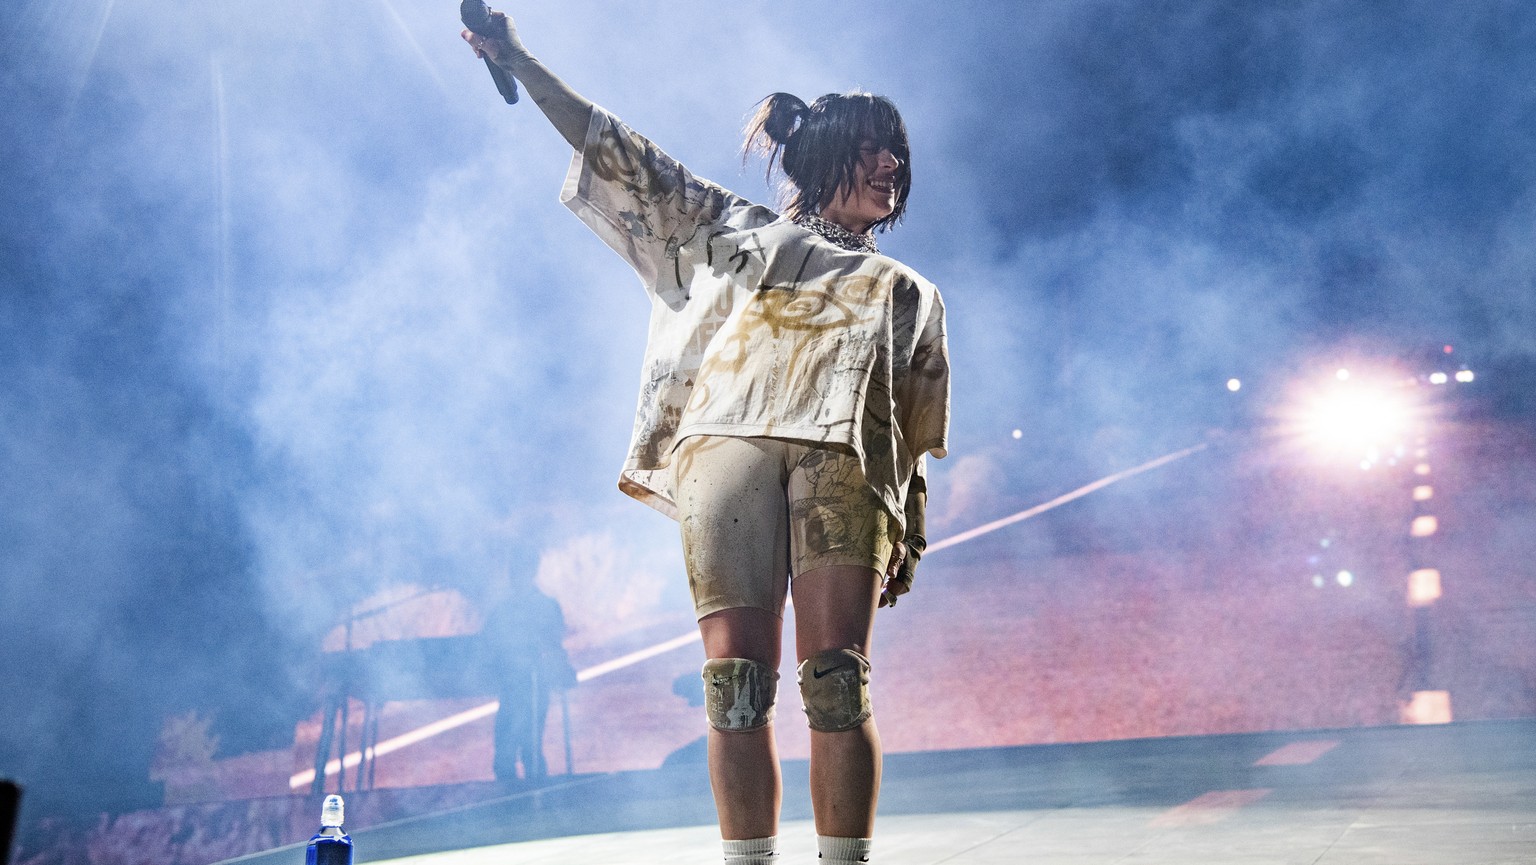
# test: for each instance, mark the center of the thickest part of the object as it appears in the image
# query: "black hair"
(817, 146)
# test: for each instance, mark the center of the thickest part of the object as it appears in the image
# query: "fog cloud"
(291, 315)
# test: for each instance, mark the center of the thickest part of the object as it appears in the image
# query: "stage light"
(1356, 416)
(1423, 587)
(1317, 580)
(1465, 376)
(1234, 385)
(1428, 707)
(1438, 378)
(1354, 419)
(1345, 578)
(1018, 434)
(1424, 526)
(1423, 493)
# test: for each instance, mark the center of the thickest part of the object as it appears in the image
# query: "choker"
(838, 235)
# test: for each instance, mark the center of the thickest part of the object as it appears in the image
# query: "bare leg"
(744, 767)
(835, 609)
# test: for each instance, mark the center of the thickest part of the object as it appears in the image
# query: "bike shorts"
(755, 512)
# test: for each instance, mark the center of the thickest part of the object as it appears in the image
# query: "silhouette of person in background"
(523, 631)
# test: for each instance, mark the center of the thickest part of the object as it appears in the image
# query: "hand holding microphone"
(495, 40)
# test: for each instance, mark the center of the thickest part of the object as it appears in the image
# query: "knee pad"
(739, 694)
(834, 685)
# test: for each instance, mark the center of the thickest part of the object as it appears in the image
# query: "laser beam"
(468, 716)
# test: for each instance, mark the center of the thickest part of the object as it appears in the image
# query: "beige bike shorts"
(755, 511)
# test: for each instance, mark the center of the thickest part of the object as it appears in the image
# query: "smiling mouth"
(883, 185)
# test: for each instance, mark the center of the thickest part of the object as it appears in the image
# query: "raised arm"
(568, 110)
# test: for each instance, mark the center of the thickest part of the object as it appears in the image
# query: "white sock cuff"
(753, 851)
(843, 851)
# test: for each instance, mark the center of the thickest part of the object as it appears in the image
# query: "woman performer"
(794, 379)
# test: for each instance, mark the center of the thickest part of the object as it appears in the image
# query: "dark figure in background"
(523, 632)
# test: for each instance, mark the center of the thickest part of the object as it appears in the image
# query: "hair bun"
(782, 115)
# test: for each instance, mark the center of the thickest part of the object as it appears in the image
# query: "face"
(870, 195)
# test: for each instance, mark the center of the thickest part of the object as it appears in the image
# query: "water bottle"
(330, 846)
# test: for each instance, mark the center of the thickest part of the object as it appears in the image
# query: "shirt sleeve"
(927, 421)
(643, 203)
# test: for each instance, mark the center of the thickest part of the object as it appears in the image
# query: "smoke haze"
(290, 314)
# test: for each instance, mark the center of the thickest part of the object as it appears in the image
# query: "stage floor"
(1459, 794)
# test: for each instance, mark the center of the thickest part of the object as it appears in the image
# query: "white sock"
(843, 851)
(754, 851)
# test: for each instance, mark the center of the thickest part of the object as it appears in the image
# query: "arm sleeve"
(643, 203)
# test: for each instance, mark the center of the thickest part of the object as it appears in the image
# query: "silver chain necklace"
(838, 235)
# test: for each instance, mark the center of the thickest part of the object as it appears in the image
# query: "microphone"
(477, 17)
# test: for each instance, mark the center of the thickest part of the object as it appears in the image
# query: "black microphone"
(477, 17)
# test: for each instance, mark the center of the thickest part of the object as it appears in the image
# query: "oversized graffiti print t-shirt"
(759, 327)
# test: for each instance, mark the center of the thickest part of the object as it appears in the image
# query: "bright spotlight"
(1018, 434)
(1464, 376)
(1358, 416)
(1234, 385)
(1345, 578)
(1355, 420)
(1438, 378)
